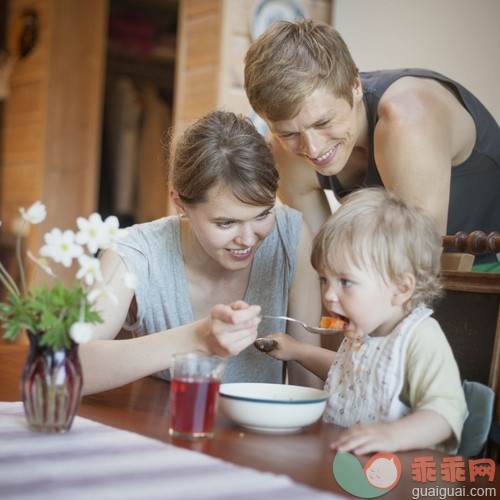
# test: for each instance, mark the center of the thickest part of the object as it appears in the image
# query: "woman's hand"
(231, 328)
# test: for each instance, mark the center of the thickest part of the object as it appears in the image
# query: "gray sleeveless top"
(475, 184)
(153, 252)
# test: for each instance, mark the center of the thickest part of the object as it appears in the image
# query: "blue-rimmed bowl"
(271, 407)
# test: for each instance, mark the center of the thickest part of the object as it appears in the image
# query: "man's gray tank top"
(475, 184)
(153, 252)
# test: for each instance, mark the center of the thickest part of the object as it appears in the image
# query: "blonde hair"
(378, 231)
(291, 60)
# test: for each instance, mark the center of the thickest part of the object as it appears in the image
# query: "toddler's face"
(363, 299)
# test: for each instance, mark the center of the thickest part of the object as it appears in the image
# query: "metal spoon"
(312, 329)
(265, 345)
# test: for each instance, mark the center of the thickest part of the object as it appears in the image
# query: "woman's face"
(228, 230)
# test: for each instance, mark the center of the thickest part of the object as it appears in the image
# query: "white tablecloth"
(94, 461)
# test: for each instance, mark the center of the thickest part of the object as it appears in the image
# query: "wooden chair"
(465, 246)
(469, 314)
(474, 242)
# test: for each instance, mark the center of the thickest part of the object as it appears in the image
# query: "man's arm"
(421, 133)
(299, 187)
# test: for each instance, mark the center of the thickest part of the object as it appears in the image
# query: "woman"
(206, 275)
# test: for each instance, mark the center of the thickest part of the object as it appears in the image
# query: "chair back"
(480, 401)
(469, 314)
(461, 248)
(475, 242)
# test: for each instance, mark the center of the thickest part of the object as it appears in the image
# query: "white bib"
(366, 379)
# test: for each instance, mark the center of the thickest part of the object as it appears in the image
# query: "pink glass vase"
(51, 386)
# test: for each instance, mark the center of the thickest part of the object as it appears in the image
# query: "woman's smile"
(240, 254)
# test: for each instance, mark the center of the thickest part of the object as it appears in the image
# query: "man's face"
(324, 132)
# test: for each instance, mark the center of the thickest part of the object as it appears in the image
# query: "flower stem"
(8, 281)
(20, 259)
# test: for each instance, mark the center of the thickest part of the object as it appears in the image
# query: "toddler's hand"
(366, 438)
(287, 348)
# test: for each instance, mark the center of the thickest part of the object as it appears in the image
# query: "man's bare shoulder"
(429, 109)
(413, 97)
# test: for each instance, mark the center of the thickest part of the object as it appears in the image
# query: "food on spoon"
(332, 323)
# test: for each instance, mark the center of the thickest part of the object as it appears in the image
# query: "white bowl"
(271, 407)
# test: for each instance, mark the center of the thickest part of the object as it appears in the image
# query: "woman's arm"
(115, 303)
(108, 363)
(111, 363)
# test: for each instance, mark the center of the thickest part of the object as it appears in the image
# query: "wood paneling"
(23, 144)
(200, 8)
(203, 41)
(74, 115)
(26, 104)
(200, 91)
(197, 61)
(52, 122)
(213, 37)
(51, 129)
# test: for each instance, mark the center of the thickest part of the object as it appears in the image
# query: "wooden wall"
(213, 37)
(52, 125)
(50, 139)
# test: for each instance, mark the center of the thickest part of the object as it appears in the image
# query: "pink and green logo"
(380, 474)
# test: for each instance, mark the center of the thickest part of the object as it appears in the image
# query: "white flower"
(35, 214)
(113, 232)
(97, 293)
(130, 281)
(90, 270)
(61, 247)
(41, 263)
(81, 332)
(92, 232)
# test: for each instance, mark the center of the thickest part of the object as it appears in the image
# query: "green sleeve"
(432, 379)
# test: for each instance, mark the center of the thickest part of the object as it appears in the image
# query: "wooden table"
(142, 407)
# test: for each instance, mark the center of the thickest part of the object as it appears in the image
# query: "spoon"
(312, 329)
(265, 345)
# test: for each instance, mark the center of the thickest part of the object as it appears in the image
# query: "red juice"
(192, 406)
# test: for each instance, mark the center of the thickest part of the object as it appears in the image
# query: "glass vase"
(51, 386)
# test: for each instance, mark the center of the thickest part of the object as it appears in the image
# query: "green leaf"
(47, 311)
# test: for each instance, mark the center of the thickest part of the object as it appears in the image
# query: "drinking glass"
(194, 390)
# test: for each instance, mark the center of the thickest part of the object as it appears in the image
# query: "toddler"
(394, 381)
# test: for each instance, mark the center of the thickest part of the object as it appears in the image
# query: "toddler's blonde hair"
(379, 232)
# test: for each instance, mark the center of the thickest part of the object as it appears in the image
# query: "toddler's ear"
(403, 289)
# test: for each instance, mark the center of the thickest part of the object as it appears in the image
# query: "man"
(414, 131)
